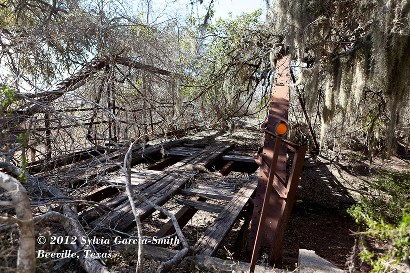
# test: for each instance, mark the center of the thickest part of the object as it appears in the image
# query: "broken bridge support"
(276, 188)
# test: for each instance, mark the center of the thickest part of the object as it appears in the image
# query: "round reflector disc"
(281, 129)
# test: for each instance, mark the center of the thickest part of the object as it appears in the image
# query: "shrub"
(385, 213)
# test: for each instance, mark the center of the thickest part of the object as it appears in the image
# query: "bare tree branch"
(26, 261)
(168, 265)
(70, 222)
(9, 220)
(127, 172)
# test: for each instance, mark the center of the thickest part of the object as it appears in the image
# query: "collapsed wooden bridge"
(264, 201)
(171, 176)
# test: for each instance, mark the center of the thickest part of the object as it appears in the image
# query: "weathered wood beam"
(216, 232)
(183, 216)
(163, 163)
(203, 159)
(45, 165)
(183, 151)
(227, 168)
(205, 263)
(199, 205)
(238, 158)
(140, 180)
(123, 219)
(138, 177)
(207, 194)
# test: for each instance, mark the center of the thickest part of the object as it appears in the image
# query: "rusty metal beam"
(278, 112)
(265, 205)
(275, 193)
(287, 203)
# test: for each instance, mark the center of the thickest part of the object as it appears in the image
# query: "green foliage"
(233, 59)
(8, 97)
(388, 196)
(6, 15)
(386, 215)
(23, 141)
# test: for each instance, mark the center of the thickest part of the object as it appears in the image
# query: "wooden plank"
(207, 194)
(108, 163)
(221, 188)
(205, 263)
(122, 217)
(91, 167)
(120, 201)
(113, 202)
(196, 144)
(213, 155)
(101, 193)
(239, 158)
(139, 177)
(93, 213)
(112, 217)
(227, 168)
(204, 159)
(183, 216)
(163, 163)
(183, 151)
(217, 231)
(140, 185)
(198, 205)
(160, 188)
(45, 165)
(126, 221)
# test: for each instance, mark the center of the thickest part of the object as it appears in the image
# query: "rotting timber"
(172, 178)
(91, 175)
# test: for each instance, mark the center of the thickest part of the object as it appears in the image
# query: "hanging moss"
(310, 79)
(359, 48)
(329, 99)
(359, 80)
(337, 78)
(345, 85)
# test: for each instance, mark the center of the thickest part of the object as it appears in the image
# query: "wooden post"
(48, 135)
(113, 111)
(406, 148)
(109, 106)
(97, 101)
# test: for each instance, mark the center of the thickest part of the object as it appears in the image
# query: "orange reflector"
(281, 129)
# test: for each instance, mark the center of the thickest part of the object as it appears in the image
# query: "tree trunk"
(26, 259)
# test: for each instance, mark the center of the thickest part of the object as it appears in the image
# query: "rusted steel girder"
(276, 189)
